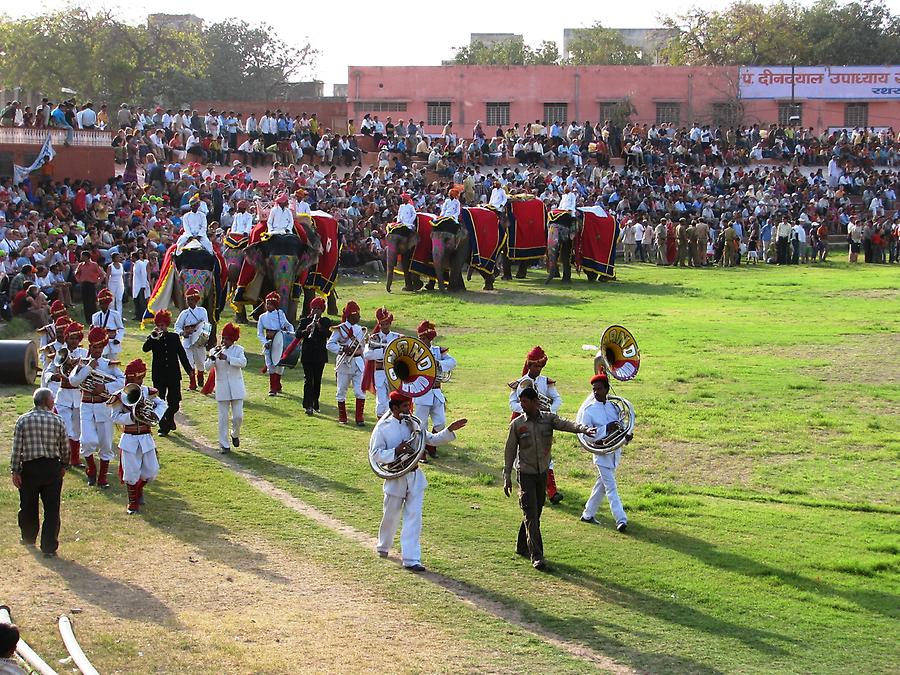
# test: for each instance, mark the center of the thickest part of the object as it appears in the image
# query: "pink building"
(504, 95)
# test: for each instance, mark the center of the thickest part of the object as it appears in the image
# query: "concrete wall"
(527, 88)
(96, 164)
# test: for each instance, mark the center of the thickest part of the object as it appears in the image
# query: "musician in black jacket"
(314, 355)
(167, 353)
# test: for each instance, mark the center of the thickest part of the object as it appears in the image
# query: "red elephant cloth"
(161, 297)
(595, 250)
(486, 236)
(322, 279)
(527, 231)
(422, 262)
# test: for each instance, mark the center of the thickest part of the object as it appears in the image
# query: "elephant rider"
(448, 221)
(281, 218)
(402, 238)
(241, 225)
(498, 197)
(195, 226)
(300, 204)
(561, 231)
(406, 214)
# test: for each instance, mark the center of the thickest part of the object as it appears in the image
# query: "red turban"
(599, 377)
(192, 292)
(231, 332)
(61, 323)
(281, 199)
(74, 330)
(57, 308)
(317, 302)
(382, 315)
(426, 330)
(350, 308)
(105, 295)
(398, 396)
(97, 337)
(135, 369)
(274, 298)
(163, 318)
(536, 357)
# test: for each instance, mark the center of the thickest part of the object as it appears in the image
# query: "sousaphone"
(620, 358)
(410, 368)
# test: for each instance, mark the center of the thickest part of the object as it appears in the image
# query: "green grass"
(761, 487)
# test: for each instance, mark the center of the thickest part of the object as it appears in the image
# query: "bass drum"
(18, 362)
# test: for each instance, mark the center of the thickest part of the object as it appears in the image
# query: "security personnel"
(348, 338)
(374, 378)
(692, 244)
(681, 234)
(528, 446)
(600, 413)
(661, 237)
(167, 354)
(96, 424)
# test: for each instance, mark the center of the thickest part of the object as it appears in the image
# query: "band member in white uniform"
(138, 457)
(281, 218)
(373, 354)
(195, 227)
(96, 423)
(50, 334)
(68, 398)
(432, 403)
(403, 496)
(351, 371)
(600, 413)
(109, 320)
(189, 326)
(229, 361)
(532, 370)
(274, 332)
(50, 353)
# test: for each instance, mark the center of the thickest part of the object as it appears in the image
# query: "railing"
(33, 136)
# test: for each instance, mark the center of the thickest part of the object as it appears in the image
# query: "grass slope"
(761, 485)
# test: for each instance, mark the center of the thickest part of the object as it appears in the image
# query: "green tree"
(511, 52)
(600, 46)
(854, 33)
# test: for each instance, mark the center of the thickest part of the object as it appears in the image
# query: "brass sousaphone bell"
(620, 358)
(410, 368)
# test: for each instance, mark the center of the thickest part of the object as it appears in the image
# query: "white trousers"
(381, 393)
(139, 466)
(72, 419)
(237, 418)
(196, 355)
(438, 413)
(96, 431)
(410, 508)
(605, 486)
(186, 236)
(346, 377)
(118, 291)
(272, 354)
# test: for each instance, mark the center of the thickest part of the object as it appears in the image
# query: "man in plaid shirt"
(40, 456)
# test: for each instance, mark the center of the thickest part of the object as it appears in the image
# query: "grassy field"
(761, 487)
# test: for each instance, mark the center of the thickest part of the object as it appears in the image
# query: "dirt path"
(368, 541)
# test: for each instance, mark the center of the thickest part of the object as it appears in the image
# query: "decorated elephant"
(401, 241)
(562, 230)
(234, 259)
(280, 260)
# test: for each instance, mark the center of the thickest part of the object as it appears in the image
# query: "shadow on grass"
(122, 599)
(708, 553)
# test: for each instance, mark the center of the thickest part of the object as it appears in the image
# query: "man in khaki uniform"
(681, 236)
(528, 448)
(691, 243)
(702, 237)
(661, 244)
(729, 236)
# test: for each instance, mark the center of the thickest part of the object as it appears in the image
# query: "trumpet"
(215, 352)
(312, 327)
(157, 333)
(351, 346)
(132, 397)
(95, 377)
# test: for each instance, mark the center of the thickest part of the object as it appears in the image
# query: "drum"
(18, 362)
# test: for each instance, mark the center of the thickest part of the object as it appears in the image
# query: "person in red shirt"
(89, 274)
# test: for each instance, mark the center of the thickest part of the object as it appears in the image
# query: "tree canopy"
(598, 45)
(103, 58)
(510, 52)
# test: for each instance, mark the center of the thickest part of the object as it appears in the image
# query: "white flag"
(47, 153)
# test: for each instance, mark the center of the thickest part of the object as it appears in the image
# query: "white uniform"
(377, 355)
(138, 459)
(96, 423)
(48, 337)
(406, 214)
(543, 386)
(230, 391)
(352, 371)
(567, 202)
(241, 224)
(402, 496)
(116, 285)
(140, 281)
(111, 320)
(194, 347)
(450, 209)
(194, 224)
(273, 348)
(68, 400)
(432, 403)
(498, 198)
(281, 220)
(48, 371)
(596, 414)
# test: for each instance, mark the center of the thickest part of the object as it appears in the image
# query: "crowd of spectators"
(58, 236)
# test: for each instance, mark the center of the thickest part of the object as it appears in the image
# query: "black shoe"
(224, 451)
(273, 393)
(49, 554)
(235, 441)
(29, 544)
(557, 498)
(360, 423)
(539, 565)
(103, 486)
(92, 481)
(382, 554)
(621, 527)
(310, 412)
(415, 568)
(591, 520)
(162, 433)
